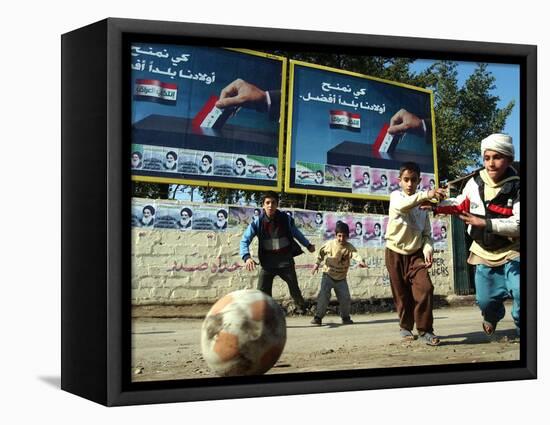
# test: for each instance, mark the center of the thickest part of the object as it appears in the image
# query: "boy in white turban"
(489, 205)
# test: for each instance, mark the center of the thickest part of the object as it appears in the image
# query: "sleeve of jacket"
(427, 241)
(403, 203)
(297, 234)
(248, 235)
(506, 226)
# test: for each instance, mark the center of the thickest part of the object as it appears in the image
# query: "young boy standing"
(409, 255)
(276, 248)
(337, 255)
(490, 206)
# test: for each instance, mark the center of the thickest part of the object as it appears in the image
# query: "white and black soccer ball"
(244, 333)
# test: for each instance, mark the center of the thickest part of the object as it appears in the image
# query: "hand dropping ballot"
(211, 116)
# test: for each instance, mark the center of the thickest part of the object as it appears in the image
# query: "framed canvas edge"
(116, 393)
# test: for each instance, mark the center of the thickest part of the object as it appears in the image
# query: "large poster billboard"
(206, 116)
(338, 139)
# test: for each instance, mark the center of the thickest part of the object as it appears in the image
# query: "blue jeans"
(493, 286)
(342, 294)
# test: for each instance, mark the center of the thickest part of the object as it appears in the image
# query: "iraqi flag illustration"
(156, 91)
(345, 120)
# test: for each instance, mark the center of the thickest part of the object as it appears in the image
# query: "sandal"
(406, 335)
(488, 327)
(430, 339)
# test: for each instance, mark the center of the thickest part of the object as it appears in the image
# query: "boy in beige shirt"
(337, 255)
(409, 255)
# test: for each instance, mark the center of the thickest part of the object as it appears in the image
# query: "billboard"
(338, 138)
(206, 116)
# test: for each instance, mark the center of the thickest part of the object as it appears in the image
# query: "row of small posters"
(187, 161)
(365, 230)
(360, 178)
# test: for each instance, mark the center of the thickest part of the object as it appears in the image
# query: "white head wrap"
(498, 142)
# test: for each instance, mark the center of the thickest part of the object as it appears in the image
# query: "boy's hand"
(472, 219)
(363, 265)
(428, 258)
(250, 265)
(438, 194)
(315, 269)
(311, 248)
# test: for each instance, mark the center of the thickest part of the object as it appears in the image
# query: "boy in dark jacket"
(276, 248)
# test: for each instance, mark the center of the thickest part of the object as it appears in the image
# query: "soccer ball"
(244, 333)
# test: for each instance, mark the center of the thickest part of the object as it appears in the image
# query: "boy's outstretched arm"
(246, 239)
(427, 243)
(403, 203)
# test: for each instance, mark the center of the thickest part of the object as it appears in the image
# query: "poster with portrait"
(240, 217)
(167, 216)
(361, 177)
(210, 218)
(262, 167)
(181, 99)
(373, 235)
(379, 181)
(439, 233)
(393, 180)
(305, 221)
(427, 182)
(337, 176)
(143, 213)
(310, 173)
(342, 118)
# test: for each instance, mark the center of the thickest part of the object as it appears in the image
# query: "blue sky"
(506, 88)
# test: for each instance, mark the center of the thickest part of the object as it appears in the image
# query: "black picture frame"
(95, 258)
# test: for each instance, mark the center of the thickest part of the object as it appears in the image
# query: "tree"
(463, 116)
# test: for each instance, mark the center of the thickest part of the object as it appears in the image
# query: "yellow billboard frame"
(290, 189)
(278, 187)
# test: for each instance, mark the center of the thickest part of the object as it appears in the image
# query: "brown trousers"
(412, 290)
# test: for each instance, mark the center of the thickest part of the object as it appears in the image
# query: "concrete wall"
(172, 267)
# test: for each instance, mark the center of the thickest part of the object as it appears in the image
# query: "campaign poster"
(427, 182)
(210, 218)
(330, 219)
(262, 167)
(379, 181)
(439, 234)
(337, 176)
(319, 222)
(361, 179)
(310, 173)
(241, 217)
(373, 236)
(143, 213)
(342, 119)
(393, 180)
(166, 216)
(305, 221)
(356, 230)
(136, 157)
(186, 97)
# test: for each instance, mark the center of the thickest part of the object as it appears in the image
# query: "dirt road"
(166, 349)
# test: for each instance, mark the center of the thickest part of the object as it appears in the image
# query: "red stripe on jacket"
(500, 210)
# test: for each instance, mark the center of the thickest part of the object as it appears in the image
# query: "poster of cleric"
(206, 116)
(348, 121)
